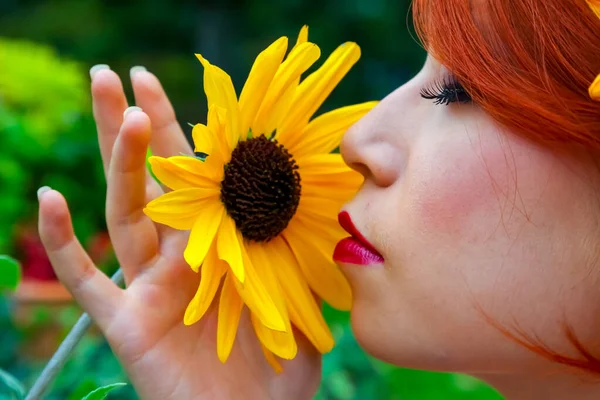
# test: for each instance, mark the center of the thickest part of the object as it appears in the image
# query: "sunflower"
(261, 197)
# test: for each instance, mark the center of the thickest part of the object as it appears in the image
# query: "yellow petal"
(271, 359)
(313, 91)
(271, 111)
(320, 206)
(594, 89)
(314, 255)
(304, 311)
(323, 134)
(329, 165)
(180, 209)
(326, 175)
(220, 92)
(212, 140)
(280, 108)
(203, 139)
(203, 232)
(595, 6)
(230, 310)
(260, 77)
(331, 231)
(213, 270)
(281, 344)
(229, 247)
(303, 35)
(337, 191)
(286, 98)
(183, 172)
(256, 296)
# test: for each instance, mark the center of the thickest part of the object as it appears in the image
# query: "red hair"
(528, 64)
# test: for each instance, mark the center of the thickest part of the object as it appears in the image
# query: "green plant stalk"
(65, 349)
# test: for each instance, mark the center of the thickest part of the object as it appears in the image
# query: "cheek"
(458, 189)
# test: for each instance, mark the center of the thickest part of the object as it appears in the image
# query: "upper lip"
(347, 224)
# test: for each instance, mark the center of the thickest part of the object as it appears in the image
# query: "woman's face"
(475, 225)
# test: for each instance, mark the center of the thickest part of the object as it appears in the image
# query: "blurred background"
(48, 138)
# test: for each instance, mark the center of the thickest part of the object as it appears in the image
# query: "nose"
(370, 148)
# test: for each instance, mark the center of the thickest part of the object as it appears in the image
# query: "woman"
(480, 202)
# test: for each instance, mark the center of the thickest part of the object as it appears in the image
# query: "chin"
(380, 337)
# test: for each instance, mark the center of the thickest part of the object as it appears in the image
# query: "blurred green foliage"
(48, 138)
(31, 75)
(10, 273)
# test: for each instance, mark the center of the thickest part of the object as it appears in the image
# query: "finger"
(167, 137)
(109, 106)
(134, 235)
(109, 103)
(93, 290)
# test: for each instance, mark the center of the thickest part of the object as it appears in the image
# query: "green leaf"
(10, 273)
(148, 166)
(85, 384)
(201, 156)
(101, 392)
(17, 390)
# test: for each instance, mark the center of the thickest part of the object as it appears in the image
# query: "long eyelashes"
(445, 92)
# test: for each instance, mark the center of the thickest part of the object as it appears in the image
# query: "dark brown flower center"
(261, 188)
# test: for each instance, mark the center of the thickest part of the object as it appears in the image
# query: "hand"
(144, 322)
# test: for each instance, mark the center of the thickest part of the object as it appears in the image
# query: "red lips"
(355, 249)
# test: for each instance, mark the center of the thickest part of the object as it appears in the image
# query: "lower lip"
(351, 251)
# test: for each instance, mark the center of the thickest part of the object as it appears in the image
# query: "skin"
(474, 222)
(479, 224)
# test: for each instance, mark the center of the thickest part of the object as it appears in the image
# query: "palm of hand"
(171, 360)
(144, 323)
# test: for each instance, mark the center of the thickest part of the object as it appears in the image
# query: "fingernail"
(135, 70)
(131, 109)
(42, 190)
(97, 68)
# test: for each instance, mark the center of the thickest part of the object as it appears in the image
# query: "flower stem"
(65, 349)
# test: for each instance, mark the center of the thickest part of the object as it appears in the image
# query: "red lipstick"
(355, 249)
